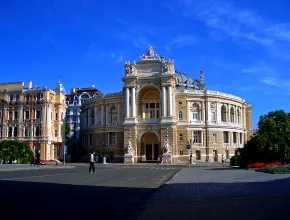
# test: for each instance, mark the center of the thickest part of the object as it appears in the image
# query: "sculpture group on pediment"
(130, 69)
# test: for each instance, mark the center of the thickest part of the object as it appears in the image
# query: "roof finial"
(201, 77)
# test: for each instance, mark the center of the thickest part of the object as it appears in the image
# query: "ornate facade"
(34, 115)
(160, 111)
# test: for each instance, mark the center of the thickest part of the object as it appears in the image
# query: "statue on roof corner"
(150, 52)
(130, 69)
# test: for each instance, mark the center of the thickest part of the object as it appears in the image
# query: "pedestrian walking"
(32, 161)
(38, 158)
(223, 160)
(92, 163)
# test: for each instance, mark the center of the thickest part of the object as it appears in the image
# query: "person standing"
(92, 163)
(223, 160)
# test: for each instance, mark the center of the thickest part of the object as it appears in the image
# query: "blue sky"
(242, 46)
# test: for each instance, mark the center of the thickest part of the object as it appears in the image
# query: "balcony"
(197, 145)
(231, 124)
(149, 120)
(113, 124)
(197, 122)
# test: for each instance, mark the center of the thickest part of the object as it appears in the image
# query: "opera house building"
(161, 111)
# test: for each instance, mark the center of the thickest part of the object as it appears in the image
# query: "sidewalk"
(15, 167)
(219, 193)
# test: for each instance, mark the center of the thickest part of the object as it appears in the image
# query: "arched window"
(238, 116)
(232, 115)
(224, 113)
(180, 115)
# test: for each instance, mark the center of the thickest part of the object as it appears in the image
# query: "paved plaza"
(221, 193)
(133, 192)
(113, 192)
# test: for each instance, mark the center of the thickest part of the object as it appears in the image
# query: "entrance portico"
(150, 146)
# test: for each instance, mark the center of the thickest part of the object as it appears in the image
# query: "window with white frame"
(180, 115)
(112, 138)
(196, 136)
(180, 137)
(195, 116)
(214, 138)
(226, 137)
(153, 109)
(213, 116)
(26, 115)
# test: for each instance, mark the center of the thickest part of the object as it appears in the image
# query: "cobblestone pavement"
(220, 193)
(112, 192)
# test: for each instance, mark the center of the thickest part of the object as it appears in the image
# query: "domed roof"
(185, 81)
(59, 89)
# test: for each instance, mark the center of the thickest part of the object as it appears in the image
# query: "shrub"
(285, 169)
(235, 160)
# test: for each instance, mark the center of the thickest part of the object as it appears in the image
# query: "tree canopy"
(11, 150)
(272, 140)
(66, 129)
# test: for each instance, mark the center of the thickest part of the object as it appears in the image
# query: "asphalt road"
(113, 192)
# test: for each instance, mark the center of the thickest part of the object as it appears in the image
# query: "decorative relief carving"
(166, 146)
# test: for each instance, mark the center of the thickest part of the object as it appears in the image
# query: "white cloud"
(181, 41)
(240, 23)
(276, 82)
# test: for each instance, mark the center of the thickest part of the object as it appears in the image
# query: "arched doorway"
(150, 146)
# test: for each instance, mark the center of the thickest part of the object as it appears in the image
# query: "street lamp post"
(188, 147)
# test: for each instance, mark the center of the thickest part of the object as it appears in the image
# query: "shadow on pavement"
(203, 200)
(221, 201)
(34, 200)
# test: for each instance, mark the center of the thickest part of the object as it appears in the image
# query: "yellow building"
(159, 112)
(33, 115)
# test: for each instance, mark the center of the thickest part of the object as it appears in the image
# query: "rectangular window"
(26, 115)
(17, 97)
(11, 98)
(226, 137)
(91, 139)
(55, 133)
(56, 116)
(241, 138)
(27, 97)
(196, 137)
(16, 115)
(37, 114)
(195, 116)
(10, 115)
(234, 137)
(181, 152)
(180, 137)
(38, 96)
(214, 138)
(10, 132)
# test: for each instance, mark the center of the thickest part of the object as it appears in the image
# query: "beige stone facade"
(33, 115)
(161, 110)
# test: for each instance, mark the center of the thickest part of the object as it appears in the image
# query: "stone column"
(163, 101)
(118, 114)
(208, 110)
(229, 113)
(188, 112)
(169, 100)
(201, 137)
(107, 114)
(127, 102)
(133, 102)
(203, 112)
(218, 112)
(102, 114)
(236, 115)
(143, 110)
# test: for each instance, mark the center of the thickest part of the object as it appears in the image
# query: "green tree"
(66, 129)
(11, 150)
(271, 141)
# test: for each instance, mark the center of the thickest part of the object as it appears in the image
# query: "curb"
(42, 168)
